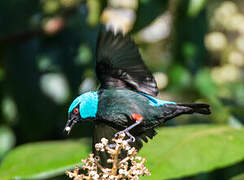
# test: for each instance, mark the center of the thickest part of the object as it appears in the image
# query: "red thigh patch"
(136, 117)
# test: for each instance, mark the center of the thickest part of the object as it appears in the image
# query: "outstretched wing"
(119, 64)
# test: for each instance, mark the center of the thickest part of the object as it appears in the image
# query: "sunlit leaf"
(7, 140)
(43, 159)
(195, 6)
(174, 152)
(188, 150)
(238, 177)
(94, 7)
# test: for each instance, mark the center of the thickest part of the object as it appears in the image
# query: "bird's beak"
(70, 123)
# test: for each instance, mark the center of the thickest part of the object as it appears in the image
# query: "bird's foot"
(123, 133)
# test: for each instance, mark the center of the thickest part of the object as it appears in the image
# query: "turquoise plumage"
(126, 98)
(87, 103)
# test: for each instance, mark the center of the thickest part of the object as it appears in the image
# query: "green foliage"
(43, 159)
(188, 150)
(195, 6)
(94, 15)
(180, 78)
(205, 84)
(7, 140)
(238, 177)
(177, 152)
(195, 71)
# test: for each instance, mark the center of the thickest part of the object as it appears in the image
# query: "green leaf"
(195, 6)
(238, 177)
(204, 83)
(94, 7)
(43, 159)
(188, 150)
(7, 140)
(180, 78)
(173, 153)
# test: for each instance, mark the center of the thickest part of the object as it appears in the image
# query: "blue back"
(88, 104)
(156, 102)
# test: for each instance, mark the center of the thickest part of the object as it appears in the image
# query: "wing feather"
(119, 64)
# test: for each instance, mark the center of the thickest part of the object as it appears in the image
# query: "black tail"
(170, 111)
(200, 108)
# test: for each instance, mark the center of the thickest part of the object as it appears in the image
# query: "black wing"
(119, 64)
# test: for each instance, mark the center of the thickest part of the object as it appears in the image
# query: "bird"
(126, 99)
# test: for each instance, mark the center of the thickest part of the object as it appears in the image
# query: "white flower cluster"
(130, 167)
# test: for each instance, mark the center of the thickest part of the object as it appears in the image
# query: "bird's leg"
(126, 131)
(138, 118)
(132, 138)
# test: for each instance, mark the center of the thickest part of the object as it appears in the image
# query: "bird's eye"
(76, 111)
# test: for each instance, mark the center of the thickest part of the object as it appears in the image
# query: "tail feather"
(200, 108)
(170, 111)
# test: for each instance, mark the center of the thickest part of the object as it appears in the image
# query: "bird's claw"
(118, 133)
(132, 138)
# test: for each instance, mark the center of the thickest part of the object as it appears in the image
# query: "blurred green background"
(195, 49)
